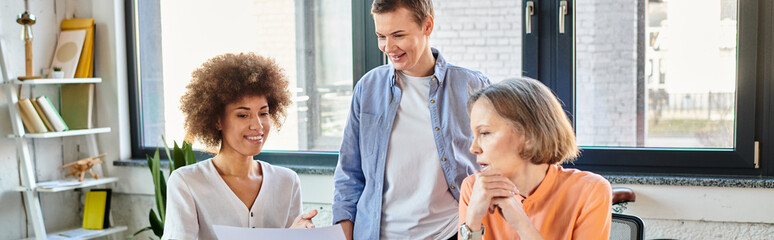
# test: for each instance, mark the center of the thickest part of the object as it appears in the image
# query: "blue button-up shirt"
(359, 176)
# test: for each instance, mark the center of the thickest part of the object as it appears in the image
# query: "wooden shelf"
(87, 182)
(94, 234)
(66, 133)
(43, 81)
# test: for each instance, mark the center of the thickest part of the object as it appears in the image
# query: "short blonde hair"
(533, 110)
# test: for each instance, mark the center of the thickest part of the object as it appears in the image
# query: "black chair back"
(626, 227)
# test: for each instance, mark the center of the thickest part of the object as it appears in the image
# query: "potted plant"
(57, 73)
(180, 157)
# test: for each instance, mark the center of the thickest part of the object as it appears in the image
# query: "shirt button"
(443, 159)
(434, 78)
(432, 101)
(437, 129)
(251, 214)
(452, 187)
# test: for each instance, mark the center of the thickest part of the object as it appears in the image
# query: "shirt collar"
(439, 71)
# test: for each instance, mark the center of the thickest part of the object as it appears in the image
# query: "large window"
(653, 86)
(310, 39)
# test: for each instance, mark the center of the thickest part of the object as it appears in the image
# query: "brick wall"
(606, 68)
(481, 35)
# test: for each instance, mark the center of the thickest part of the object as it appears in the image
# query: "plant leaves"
(163, 187)
(179, 156)
(157, 181)
(140, 231)
(156, 224)
(190, 158)
(169, 156)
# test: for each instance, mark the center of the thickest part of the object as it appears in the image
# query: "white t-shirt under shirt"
(197, 198)
(416, 203)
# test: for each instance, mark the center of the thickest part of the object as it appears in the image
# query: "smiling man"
(405, 147)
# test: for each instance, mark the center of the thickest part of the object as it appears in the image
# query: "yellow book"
(94, 210)
(26, 121)
(86, 62)
(32, 116)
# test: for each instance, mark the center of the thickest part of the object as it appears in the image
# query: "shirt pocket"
(369, 134)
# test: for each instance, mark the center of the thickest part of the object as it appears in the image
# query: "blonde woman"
(521, 136)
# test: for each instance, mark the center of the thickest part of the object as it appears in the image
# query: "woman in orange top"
(521, 137)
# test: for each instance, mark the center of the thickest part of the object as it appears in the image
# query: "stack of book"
(40, 116)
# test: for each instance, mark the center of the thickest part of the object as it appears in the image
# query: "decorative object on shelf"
(26, 19)
(68, 51)
(57, 73)
(82, 166)
(180, 158)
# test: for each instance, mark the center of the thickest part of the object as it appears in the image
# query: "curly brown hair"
(225, 79)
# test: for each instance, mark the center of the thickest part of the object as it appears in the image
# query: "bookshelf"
(30, 187)
(43, 81)
(78, 132)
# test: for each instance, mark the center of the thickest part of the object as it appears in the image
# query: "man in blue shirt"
(405, 147)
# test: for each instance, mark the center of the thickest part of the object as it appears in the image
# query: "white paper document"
(237, 233)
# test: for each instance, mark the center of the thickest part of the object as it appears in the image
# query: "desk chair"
(626, 227)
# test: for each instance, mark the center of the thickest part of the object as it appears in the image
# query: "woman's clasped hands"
(494, 192)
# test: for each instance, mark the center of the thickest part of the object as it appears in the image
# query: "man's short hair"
(421, 8)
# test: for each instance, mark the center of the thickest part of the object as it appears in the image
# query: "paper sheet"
(324, 233)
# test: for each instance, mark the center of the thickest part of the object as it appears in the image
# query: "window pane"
(310, 39)
(480, 35)
(664, 79)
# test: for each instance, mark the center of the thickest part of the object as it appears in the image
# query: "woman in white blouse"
(231, 103)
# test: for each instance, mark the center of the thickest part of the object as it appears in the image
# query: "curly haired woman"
(231, 105)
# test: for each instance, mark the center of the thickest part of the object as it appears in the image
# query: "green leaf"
(166, 148)
(140, 231)
(180, 160)
(190, 158)
(156, 224)
(157, 181)
(163, 187)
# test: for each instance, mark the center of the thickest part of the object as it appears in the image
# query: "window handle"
(562, 14)
(528, 12)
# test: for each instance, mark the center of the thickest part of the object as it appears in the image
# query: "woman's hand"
(489, 184)
(513, 212)
(305, 220)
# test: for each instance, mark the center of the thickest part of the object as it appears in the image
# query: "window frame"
(757, 92)
(554, 64)
(365, 57)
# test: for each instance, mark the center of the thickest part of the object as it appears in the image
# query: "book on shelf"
(52, 114)
(42, 115)
(79, 233)
(25, 120)
(85, 67)
(77, 104)
(96, 209)
(26, 108)
(68, 51)
(106, 219)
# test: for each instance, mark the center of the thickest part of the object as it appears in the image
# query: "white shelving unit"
(93, 234)
(29, 187)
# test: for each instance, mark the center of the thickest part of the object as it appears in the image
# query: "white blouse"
(197, 198)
